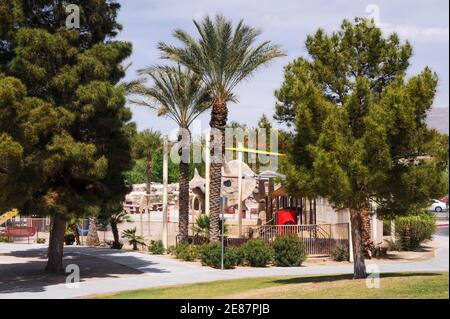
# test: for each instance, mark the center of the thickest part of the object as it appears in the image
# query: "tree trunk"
(359, 266)
(115, 232)
(366, 237)
(56, 246)
(219, 115)
(92, 237)
(184, 203)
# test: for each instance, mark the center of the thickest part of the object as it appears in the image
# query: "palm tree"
(223, 57)
(114, 221)
(133, 239)
(143, 145)
(178, 95)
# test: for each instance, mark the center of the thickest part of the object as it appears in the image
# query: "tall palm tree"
(143, 145)
(179, 95)
(223, 56)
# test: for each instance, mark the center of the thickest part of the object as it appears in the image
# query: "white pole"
(240, 159)
(393, 230)
(350, 239)
(207, 172)
(149, 223)
(375, 229)
(141, 220)
(165, 233)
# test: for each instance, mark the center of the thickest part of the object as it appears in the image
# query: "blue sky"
(286, 22)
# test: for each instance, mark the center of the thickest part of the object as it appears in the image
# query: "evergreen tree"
(360, 132)
(64, 139)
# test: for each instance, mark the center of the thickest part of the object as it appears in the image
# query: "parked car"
(438, 206)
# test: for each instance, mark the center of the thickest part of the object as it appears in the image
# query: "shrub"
(238, 255)
(4, 239)
(257, 253)
(394, 245)
(69, 239)
(340, 253)
(289, 251)
(412, 230)
(186, 252)
(211, 255)
(40, 241)
(156, 247)
(170, 250)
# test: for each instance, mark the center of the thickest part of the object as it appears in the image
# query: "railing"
(320, 239)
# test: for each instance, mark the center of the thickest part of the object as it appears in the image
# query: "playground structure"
(257, 207)
(17, 228)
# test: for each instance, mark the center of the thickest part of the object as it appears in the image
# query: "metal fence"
(320, 239)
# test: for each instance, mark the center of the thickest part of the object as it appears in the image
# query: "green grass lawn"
(395, 285)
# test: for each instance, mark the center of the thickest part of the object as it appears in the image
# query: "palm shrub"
(114, 221)
(211, 255)
(412, 230)
(156, 247)
(257, 253)
(202, 226)
(133, 239)
(289, 251)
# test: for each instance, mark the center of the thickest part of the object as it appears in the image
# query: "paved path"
(162, 271)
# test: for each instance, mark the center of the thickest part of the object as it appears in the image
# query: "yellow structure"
(8, 215)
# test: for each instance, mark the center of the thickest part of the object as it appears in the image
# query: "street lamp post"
(223, 204)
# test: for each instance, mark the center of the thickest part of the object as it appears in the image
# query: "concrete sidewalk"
(162, 271)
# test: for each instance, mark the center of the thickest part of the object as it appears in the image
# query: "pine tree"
(360, 132)
(64, 139)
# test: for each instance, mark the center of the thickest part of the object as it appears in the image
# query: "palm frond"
(222, 56)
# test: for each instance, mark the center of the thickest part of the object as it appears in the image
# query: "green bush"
(257, 253)
(4, 239)
(289, 251)
(412, 230)
(156, 247)
(211, 255)
(340, 253)
(238, 255)
(186, 252)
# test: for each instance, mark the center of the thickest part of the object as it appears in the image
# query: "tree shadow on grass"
(334, 278)
(23, 270)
